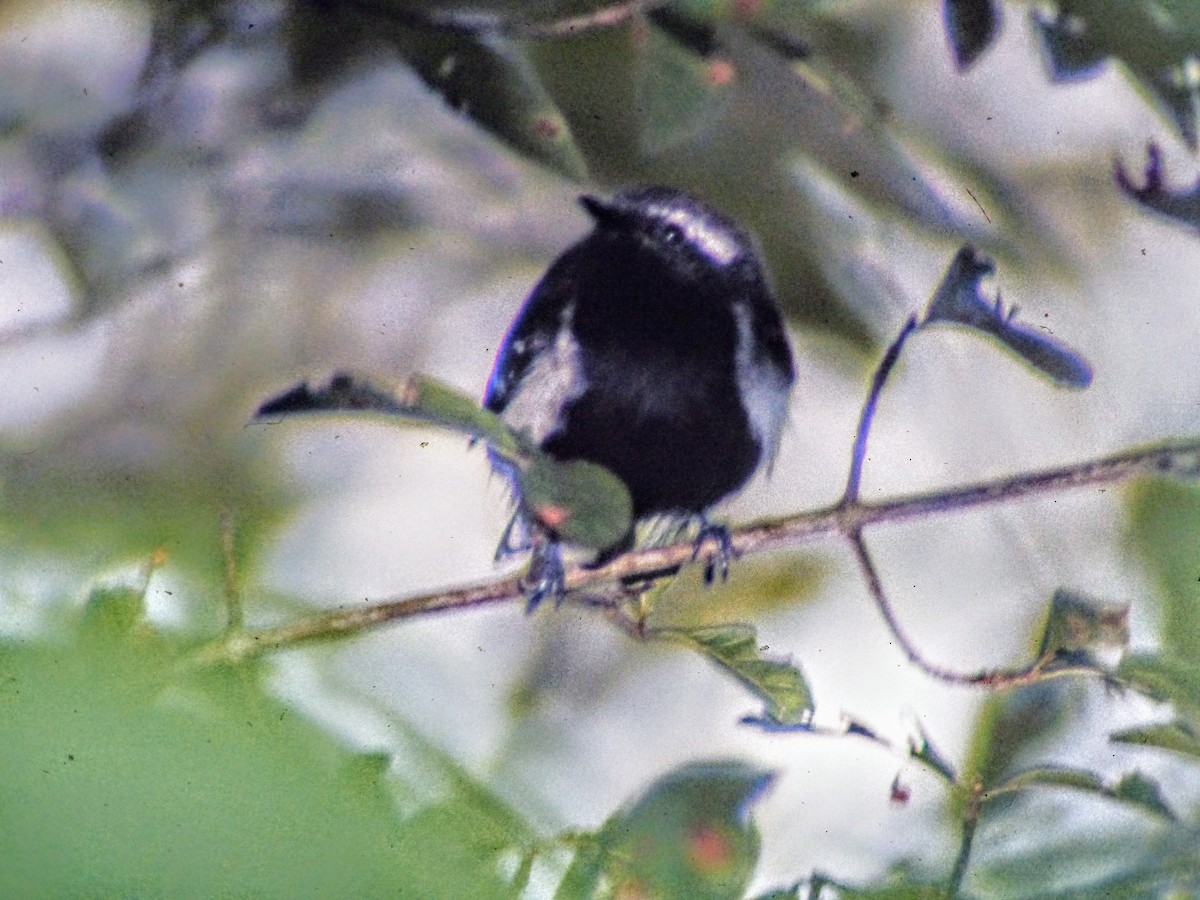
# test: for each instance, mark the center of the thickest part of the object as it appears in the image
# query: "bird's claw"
(547, 577)
(718, 561)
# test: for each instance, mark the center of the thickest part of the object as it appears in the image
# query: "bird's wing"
(532, 334)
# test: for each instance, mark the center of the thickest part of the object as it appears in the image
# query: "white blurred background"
(220, 269)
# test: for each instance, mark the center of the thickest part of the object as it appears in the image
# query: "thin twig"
(996, 679)
(875, 586)
(859, 455)
(603, 583)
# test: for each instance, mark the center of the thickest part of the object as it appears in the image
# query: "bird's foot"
(546, 577)
(719, 560)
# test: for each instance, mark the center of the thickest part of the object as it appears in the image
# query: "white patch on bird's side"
(763, 388)
(553, 380)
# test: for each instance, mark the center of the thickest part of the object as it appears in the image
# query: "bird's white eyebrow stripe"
(713, 241)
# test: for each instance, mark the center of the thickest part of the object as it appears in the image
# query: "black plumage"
(655, 348)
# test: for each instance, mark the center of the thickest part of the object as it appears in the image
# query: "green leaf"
(959, 301)
(1134, 788)
(418, 397)
(764, 584)
(123, 777)
(1164, 530)
(778, 683)
(1178, 736)
(580, 501)
(1079, 779)
(113, 610)
(585, 872)
(1137, 863)
(490, 78)
(1078, 627)
(897, 884)
(1011, 725)
(1165, 678)
(689, 835)
(1140, 791)
(679, 93)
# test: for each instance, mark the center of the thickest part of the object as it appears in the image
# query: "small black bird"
(655, 348)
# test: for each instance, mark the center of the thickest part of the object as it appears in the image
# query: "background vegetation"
(205, 202)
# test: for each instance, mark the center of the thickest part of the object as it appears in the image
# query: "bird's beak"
(601, 211)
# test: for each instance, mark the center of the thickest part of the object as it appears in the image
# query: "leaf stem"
(859, 455)
(970, 822)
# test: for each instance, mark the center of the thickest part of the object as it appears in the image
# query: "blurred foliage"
(1158, 42)
(125, 772)
(124, 775)
(1164, 529)
(721, 99)
(128, 772)
(762, 584)
(101, 515)
(971, 27)
(688, 836)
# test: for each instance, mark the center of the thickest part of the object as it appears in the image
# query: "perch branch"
(847, 519)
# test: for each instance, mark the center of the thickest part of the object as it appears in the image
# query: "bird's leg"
(546, 576)
(718, 561)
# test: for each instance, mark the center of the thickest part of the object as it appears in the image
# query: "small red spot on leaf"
(553, 517)
(410, 392)
(547, 128)
(901, 793)
(720, 72)
(709, 849)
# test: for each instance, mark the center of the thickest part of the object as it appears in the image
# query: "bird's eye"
(672, 234)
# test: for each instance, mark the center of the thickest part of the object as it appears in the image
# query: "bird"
(653, 347)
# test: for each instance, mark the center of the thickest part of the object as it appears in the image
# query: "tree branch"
(606, 585)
